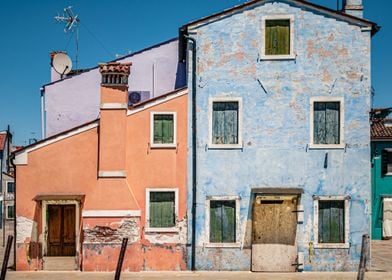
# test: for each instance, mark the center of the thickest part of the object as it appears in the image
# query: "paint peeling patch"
(114, 234)
(26, 229)
(179, 237)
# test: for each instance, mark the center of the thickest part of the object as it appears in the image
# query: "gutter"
(43, 109)
(14, 166)
(194, 181)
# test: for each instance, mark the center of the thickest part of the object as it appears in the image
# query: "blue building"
(279, 170)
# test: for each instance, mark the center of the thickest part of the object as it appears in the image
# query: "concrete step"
(60, 263)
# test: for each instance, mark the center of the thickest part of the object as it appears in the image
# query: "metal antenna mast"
(72, 23)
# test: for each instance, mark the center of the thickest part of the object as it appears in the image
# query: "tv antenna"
(72, 24)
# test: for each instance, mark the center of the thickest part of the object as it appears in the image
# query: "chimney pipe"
(353, 8)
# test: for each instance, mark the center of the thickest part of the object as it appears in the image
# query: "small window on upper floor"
(10, 187)
(326, 122)
(163, 129)
(386, 158)
(277, 32)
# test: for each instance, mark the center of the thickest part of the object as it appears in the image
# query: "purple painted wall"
(75, 100)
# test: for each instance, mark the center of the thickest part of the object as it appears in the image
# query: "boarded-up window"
(222, 221)
(10, 212)
(386, 161)
(225, 122)
(331, 221)
(277, 37)
(162, 209)
(163, 128)
(326, 123)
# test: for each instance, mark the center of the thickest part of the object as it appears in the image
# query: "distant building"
(381, 143)
(7, 185)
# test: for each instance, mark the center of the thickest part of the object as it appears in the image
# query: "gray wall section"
(332, 60)
(74, 101)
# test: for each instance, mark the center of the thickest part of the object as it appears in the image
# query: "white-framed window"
(161, 209)
(386, 162)
(10, 187)
(331, 221)
(277, 37)
(163, 129)
(10, 211)
(225, 122)
(326, 122)
(223, 221)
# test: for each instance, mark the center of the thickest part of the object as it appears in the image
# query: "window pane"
(163, 129)
(389, 162)
(162, 209)
(331, 221)
(10, 210)
(222, 221)
(326, 123)
(10, 187)
(277, 37)
(225, 123)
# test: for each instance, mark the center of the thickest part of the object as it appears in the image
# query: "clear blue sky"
(29, 33)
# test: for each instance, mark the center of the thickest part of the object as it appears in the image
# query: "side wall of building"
(332, 59)
(75, 100)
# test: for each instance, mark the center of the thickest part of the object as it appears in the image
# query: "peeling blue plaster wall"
(332, 59)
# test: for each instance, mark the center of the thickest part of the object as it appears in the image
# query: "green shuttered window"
(163, 128)
(326, 123)
(10, 212)
(10, 187)
(277, 37)
(162, 209)
(222, 221)
(331, 221)
(225, 122)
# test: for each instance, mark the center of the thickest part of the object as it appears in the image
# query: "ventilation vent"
(114, 79)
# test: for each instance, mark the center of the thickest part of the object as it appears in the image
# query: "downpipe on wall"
(194, 182)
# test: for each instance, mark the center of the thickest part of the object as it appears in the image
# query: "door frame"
(45, 204)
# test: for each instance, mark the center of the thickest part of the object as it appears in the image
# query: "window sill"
(327, 147)
(162, 230)
(225, 146)
(163, 146)
(331, 246)
(388, 174)
(278, 57)
(222, 245)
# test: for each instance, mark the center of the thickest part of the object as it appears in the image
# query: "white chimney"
(353, 8)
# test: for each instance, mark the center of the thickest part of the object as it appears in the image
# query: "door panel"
(61, 230)
(274, 233)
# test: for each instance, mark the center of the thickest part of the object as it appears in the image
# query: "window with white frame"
(386, 162)
(326, 122)
(278, 37)
(331, 221)
(222, 221)
(225, 122)
(10, 211)
(161, 209)
(10, 187)
(163, 129)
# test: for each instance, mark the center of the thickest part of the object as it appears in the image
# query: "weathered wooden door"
(61, 230)
(274, 233)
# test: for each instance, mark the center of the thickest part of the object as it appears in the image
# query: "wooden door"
(274, 233)
(61, 230)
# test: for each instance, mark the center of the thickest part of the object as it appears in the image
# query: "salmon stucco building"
(82, 191)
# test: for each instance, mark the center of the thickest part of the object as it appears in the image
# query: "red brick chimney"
(113, 114)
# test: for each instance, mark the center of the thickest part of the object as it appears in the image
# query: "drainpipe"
(14, 167)
(193, 41)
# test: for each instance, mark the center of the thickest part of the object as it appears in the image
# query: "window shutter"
(167, 129)
(277, 37)
(231, 123)
(215, 221)
(319, 123)
(268, 39)
(157, 130)
(332, 123)
(384, 162)
(162, 209)
(218, 130)
(331, 221)
(324, 218)
(228, 221)
(283, 35)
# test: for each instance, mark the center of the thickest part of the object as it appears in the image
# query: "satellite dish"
(62, 63)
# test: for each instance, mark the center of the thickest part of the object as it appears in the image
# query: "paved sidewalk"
(381, 255)
(196, 275)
